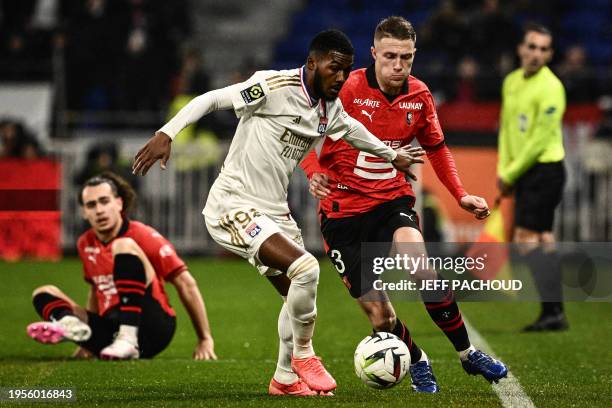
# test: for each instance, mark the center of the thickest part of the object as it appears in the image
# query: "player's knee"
(528, 240)
(51, 289)
(525, 236)
(125, 246)
(547, 237)
(304, 270)
(407, 235)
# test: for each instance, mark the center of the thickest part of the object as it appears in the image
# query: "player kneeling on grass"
(126, 263)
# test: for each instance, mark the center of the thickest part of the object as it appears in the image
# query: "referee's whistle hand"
(319, 186)
(504, 189)
(157, 148)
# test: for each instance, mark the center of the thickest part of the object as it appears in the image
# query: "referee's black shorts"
(537, 194)
(154, 333)
(344, 237)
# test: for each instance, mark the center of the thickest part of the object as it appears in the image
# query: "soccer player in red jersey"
(126, 263)
(363, 199)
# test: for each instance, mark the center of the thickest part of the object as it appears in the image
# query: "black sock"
(545, 268)
(130, 281)
(555, 278)
(444, 312)
(401, 331)
(51, 307)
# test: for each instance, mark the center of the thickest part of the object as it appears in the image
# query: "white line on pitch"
(509, 389)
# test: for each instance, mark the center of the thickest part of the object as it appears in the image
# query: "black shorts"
(537, 194)
(154, 333)
(344, 237)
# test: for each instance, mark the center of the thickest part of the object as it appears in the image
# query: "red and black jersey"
(98, 263)
(360, 181)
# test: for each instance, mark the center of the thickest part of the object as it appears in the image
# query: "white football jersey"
(279, 124)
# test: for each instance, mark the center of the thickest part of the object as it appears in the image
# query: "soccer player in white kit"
(282, 115)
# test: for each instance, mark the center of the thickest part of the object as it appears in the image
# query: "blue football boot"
(423, 379)
(478, 362)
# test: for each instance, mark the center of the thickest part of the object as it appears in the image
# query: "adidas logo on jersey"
(297, 120)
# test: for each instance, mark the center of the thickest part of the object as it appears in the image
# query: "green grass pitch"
(573, 368)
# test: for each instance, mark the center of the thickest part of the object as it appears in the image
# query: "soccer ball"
(381, 360)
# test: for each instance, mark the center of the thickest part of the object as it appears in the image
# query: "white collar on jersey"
(313, 101)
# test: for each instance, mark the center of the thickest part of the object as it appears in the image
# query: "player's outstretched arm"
(190, 296)
(476, 205)
(158, 147)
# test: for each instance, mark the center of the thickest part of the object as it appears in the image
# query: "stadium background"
(84, 83)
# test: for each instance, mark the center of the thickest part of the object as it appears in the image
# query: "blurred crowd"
(466, 47)
(139, 55)
(17, 142)
(116, 54)
(479, 39)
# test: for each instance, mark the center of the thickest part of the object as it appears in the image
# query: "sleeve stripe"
(274, 88)
(282, 76)
(280, 80)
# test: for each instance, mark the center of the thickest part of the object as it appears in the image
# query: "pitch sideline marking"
(509, 390)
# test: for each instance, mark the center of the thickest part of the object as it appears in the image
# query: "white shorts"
(243, 230)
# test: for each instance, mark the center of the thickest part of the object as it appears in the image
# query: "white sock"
(284, 374)
(301, 303)
(129, 333)
(463, 355)
(423, 356)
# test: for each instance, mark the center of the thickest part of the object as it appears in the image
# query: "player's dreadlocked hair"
(119, 186)
(331, 40)
(395, 27)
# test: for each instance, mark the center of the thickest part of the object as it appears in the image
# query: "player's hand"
(406, 157)
(82, 353)
(319, 185)
(205, 350)
(476, 205)
(157, 148)
(504, 189)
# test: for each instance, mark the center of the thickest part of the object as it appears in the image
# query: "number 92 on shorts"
(243, 230)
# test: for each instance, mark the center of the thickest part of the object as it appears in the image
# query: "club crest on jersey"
(252, 230)
(322, 125)
(409, 118)
(252, 93)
